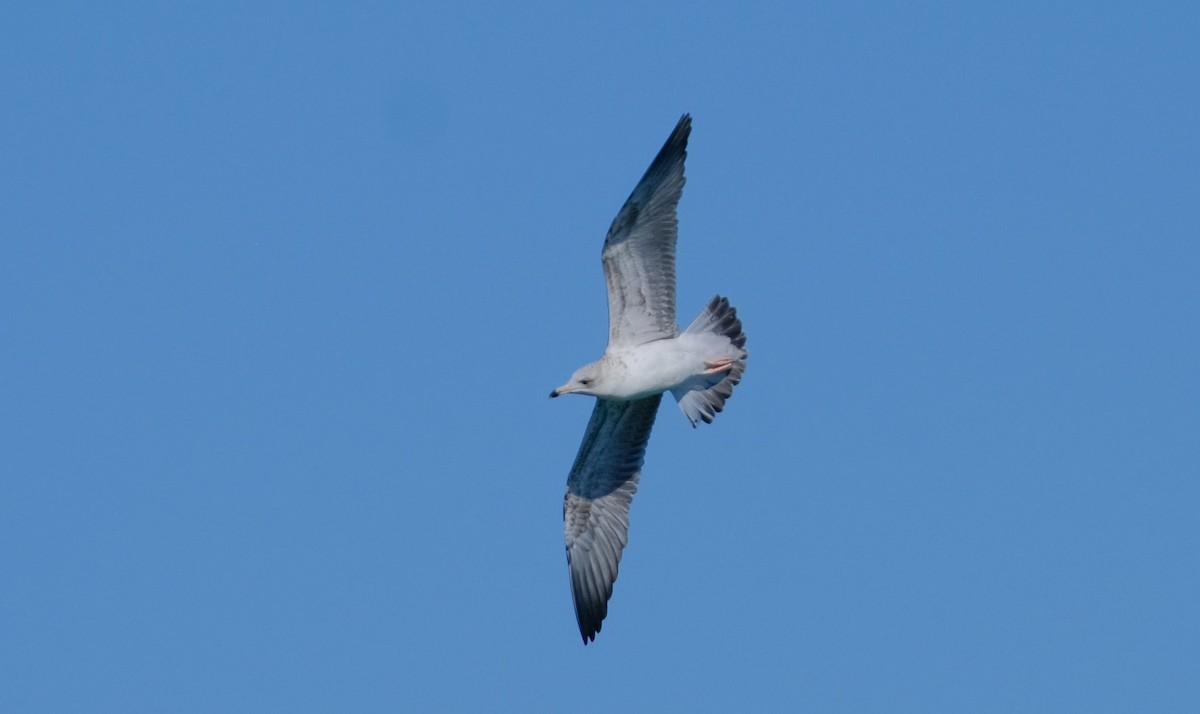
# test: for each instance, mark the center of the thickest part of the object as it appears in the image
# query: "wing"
(596, 507)
(639, 252)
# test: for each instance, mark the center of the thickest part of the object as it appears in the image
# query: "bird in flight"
(646, 356)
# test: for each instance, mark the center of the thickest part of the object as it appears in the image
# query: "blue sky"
(284, 287)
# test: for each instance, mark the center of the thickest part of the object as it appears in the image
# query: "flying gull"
(646, 356)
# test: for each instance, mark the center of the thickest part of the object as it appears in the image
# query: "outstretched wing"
(639, 252)
(596, 507)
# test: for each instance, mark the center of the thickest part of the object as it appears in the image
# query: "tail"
(702, 399)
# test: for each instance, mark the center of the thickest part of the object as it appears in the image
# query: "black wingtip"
(590, 622)
(680, 134)
(589, 633)
(673, 150)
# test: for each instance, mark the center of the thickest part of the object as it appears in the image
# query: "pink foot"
(721, 365)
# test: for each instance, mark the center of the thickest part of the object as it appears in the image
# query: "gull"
(646, 356)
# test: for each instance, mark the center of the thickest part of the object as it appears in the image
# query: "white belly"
(657, 366)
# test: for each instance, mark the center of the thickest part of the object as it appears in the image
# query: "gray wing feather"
(639, 251)
(600, 489)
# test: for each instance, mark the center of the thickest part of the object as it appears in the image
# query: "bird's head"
(586, 380)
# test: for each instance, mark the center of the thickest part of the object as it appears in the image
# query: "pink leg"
(720, 365)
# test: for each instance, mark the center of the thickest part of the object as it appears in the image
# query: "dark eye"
(585, 382)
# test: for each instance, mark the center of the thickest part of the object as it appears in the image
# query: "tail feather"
(702, 401)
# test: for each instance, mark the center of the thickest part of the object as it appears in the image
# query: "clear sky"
(283, 289)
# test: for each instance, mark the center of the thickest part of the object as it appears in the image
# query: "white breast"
(651, 368)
